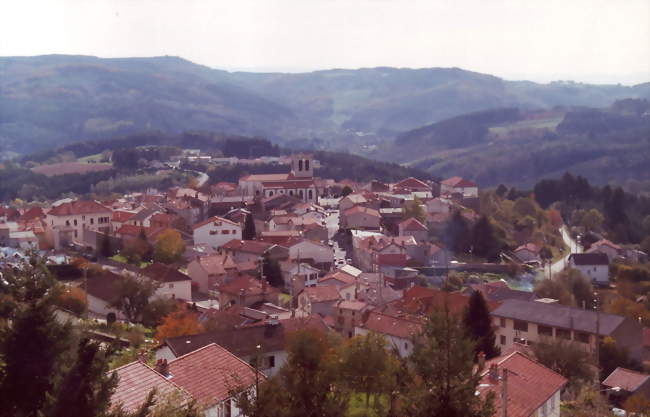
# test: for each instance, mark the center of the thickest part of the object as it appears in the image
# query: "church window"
(306, 164)
(300, 165)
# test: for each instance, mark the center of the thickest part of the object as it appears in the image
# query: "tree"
(33, 352)
(612, 356)
(630, 309)
(570, 288)
(565, 358)
(271, 271)
(551, 288)
(484, 241)
(413, 209)
(138, 249)
(73, 299)
(169, 246)
(368, 367)
(106, 249)
(476, 319)
(457, 233)
(637, 403)
(346, 191)
(132, 296)
(305, 387)
(444, 383)
(249, 232)
(592, 220)
(179, 323)
(87, 387)
(501, 190)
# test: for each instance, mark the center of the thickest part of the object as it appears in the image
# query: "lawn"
(357, 406)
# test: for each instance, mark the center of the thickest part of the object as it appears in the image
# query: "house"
(439, 205)
(532, 389)
(337, 278)
(216, 231)
(629, 383)
(173, 283)
(413, 227)
(350, 314)
(253, 250)
(398, 331)
(136, 380)
(527, 253)
(351, 200)
(319, 300)
(458, 185)
(498, 291)
(120, 217)
(606, 247)
(518, 321)
(359, 217)
(412, 184)
(101, 291)
(65, 222)
(210, 271)
(317, 254)
(209, 375)
(594, 266)
(299, 183)
(301, 275)
(245, 291)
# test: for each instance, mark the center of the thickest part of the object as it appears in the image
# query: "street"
(559, 266)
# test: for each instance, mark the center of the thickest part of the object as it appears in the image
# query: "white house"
(459, 185)
(216, 231)
(398, 331)
(65, 222)
(172, 283)
(594, 266)
(307, 250)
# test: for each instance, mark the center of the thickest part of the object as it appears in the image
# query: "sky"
(594, 41)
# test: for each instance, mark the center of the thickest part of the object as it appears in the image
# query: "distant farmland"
(70, 168)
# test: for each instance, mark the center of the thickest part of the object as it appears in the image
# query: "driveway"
(559, 265)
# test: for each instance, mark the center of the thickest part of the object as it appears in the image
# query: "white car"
(619, 412)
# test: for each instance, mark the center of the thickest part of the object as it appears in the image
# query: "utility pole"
(504, 393)
(597, 340)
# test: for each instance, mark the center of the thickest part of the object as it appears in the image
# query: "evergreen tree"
(32, 351)
(249, 232)
(457, 233)
(444, 383)
(106, 249)
(501, 190)
(87, 388)
(272, 271)
(476, 319)
(484, 241)
(132, 297)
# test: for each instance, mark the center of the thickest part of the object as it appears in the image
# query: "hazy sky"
(584, 40)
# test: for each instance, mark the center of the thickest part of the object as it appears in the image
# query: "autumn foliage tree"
(169, 246)
(178, 323)
(73, 299)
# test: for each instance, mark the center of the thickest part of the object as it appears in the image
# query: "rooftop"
(626, 379)
(78, 207)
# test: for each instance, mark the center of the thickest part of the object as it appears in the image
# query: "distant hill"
(520, 147)
(48, 101)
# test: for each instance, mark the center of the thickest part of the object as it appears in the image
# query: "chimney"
(481, 361)
(494, 372)
(162, 367)
(242, 297)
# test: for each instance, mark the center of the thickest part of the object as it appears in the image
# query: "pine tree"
(32, 352)
(272, 271)
(106, 249)
(457, 233)
(87, 387)
(249, 228)
(444, 383)
(484, 241)
(476, 319)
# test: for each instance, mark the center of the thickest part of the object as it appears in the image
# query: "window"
(502, 322)
(502, 340)
(552, 402)
(214, 232)
(75, 234)
(83, 217)
(544, 330)
(563, 333)
(290, 192)
(300, 165)
(543, 409)
(270, 193)
(311, 195)
(75, 222)
(226, 408)
(92, 221)
(306, 164)
(271, 361)
(521, 325)
(581, 337)
(171, 285)
(67, 222)
(225, 232)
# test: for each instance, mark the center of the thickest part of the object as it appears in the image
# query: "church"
(298, 183)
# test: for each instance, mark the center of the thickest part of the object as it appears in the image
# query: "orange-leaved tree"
(169, 246)
(179, 323)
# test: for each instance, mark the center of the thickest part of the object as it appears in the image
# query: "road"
(559, 266)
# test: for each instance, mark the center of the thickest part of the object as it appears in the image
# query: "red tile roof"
(78, 207)
(32, 213)
(530, 384)
(605, 242)
(458, 182)
(135, 382)
(339, 275)
(627, 379)
(361, 209)
(249, 246)
(392, 259)
(530, 246)
(217, 264)
(249, 285)
(265, 177)
(133, 231)
(121, 216)
(209, 374)
(164, 273)
(413, 225)
(402, 327)
(296, 184)
(412, 183)
(217, 220)
(322, 293)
